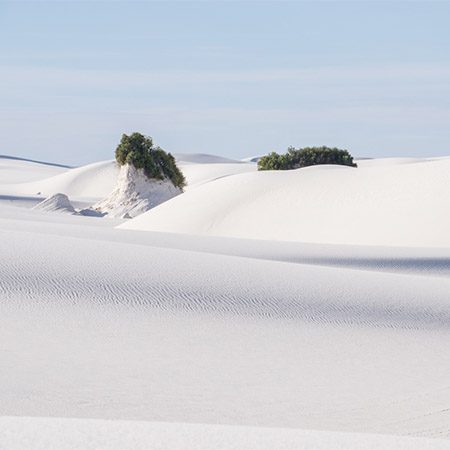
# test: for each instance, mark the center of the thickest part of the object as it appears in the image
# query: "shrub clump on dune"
(304, 157)
(138, 150)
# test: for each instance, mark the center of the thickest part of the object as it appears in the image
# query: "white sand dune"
(90, 181)
(131, 331)
(95, 182)
(376, 162)
(404, 204)
(231, 342)
(56, 203)
(66, 434)
(200, 168)
(198, 174)
(203, 158)
(252, 159)
(20, 170)
(403, 260)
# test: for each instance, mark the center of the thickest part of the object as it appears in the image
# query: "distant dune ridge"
(390, 201)
(97, 180)
(203, 158)
(17, 170)
(304, 309)
(92, 181)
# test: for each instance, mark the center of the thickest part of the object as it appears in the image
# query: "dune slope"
(98, 180)
(162, 340)
(132, 331)
(66, 434)
(389, 204)
(20, 170)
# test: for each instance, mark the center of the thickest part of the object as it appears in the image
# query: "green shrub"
(304, 157)
(138, 150)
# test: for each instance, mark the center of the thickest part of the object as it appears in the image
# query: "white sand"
(95, 182)
(203, 158)
(18, 170)
(135, 194)
(56, 203)
(67, 434)
(405, 203)
(222, 343)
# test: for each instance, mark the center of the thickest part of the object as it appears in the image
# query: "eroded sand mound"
(135, 194)
(56, 203)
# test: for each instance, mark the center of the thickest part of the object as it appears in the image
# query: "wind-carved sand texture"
(175, 330)
(56, 203)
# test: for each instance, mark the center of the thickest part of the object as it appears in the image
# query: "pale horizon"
(233, 79)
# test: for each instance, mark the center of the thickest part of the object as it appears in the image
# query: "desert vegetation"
(139, 151)
(304, 157)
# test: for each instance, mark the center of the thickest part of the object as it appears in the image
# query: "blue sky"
(230, 78)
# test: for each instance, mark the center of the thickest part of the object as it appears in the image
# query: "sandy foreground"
(119, 334)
